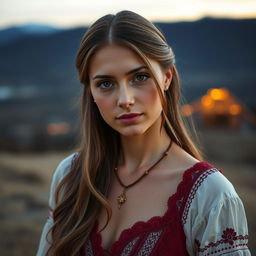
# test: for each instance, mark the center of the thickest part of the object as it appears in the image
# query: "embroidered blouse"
(205, 217)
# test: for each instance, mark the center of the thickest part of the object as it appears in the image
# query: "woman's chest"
(123, 221)
(142, 204)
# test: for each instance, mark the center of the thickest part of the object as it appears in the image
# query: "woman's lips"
(129, 118)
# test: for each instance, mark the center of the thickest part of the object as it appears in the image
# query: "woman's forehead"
(117, 58)
(111, 57)
(116, 52)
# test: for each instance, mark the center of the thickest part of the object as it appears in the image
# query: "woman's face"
(124, 90)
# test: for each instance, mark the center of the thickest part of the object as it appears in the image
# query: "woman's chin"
(131, 131)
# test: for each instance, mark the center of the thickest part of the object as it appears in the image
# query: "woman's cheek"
(104, 106)
(152, 95)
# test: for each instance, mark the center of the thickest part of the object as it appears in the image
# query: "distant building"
(218, 108)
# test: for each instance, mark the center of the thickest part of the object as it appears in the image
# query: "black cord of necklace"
(145, 173)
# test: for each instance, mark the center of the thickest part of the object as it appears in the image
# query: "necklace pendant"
(121, 199)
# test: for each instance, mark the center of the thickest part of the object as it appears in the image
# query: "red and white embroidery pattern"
(229, 236)
(193, 191)
(129, 247)
(149, 244)
(230, 241)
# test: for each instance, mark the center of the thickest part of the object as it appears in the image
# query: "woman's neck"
(142, 151)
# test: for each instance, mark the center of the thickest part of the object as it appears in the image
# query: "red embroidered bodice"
(160, 235)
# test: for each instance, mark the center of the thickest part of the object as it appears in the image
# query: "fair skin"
(120, 84)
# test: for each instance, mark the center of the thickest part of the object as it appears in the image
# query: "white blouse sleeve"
(216, 222)
(60, 172)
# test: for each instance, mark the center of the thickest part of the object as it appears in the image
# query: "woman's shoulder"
(212, 180)
(199, 174)
(210, 187)
(62, 169)
(64, 166)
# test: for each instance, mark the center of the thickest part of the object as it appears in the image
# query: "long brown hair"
(82, 192)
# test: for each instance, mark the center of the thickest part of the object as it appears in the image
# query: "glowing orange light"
(207, 102)
(58, 128)
(187, 110)
(235, 109)
(220, 109)
(218, 94)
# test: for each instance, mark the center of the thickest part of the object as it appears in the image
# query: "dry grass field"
(25, 180)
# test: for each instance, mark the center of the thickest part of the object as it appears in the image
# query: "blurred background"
(214, 43)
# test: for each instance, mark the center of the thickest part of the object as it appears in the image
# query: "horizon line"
(154, 20)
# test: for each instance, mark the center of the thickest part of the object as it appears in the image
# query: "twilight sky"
(69, 13)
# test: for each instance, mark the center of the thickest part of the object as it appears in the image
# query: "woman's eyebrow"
(136, 70)
(102, 76)
(128, 73)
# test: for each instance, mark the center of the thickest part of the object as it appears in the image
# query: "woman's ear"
(168, 78)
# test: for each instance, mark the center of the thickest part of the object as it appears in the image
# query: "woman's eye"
(141, 77)
(104, 84)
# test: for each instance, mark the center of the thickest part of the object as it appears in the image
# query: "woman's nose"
(126, 97)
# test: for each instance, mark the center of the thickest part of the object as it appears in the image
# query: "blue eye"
(104, 84)
(141, 77)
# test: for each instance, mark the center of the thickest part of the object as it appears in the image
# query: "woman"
(137, 185)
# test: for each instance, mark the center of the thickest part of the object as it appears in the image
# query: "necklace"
(121, 199)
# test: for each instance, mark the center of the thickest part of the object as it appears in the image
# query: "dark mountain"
(43, 60)
(12, 33)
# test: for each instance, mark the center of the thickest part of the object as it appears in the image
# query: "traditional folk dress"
(205, 217)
